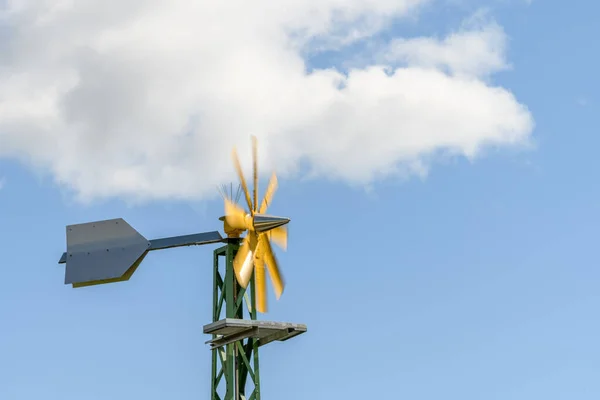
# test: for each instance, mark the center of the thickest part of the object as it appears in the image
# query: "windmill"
(110, 251)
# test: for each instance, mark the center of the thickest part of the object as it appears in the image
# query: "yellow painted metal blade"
(261, 283)
(235, 215)
(279, 236)
(255, 172)
(273, 267)
(240, 257)
(244, 261)
(238, 168)
(271, 188)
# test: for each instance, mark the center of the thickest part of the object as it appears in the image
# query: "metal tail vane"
(110, 251)
(256, 252)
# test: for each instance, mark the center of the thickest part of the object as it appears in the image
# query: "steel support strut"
(236, 364)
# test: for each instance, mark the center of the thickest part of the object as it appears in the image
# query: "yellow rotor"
(256, 254)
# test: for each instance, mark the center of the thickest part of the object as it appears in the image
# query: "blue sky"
(478, 281)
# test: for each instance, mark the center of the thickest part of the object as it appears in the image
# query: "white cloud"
(476, 50)
(146, 99)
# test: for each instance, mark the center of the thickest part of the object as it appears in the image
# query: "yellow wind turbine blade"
(260, 284)
(243, 263)
(279, 236)
(240, 258)
(235, 215)
(271, 188)
(238, 168)
(255, 172)
(273, 267)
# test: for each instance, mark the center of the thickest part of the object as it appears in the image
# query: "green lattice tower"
(237, 362)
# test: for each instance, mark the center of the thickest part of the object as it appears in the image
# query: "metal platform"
(230, 330)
